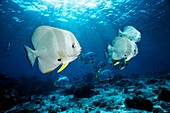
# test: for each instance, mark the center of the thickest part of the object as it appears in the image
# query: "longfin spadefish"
(64, 65)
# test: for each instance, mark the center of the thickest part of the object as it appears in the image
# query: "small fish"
(131, 33)
(53, 47)
(62, 81)
(104, 75)
(99, 66)
(8, 46)
(122, 48)
(87, 57)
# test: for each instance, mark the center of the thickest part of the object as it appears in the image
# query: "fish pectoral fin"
(116, 63)
(127, 59)
(64, 65)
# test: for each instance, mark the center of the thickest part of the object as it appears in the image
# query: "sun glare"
(86, 3)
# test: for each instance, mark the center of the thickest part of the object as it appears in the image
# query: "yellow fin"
(127, 59)
(64, 65)
(116, 63)
(122, 68)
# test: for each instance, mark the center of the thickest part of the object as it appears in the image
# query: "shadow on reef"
(19, 90)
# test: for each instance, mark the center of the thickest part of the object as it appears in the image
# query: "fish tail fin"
(106, 55)
(30, 54)
(80, 58)
(120, 33)
(110, 49)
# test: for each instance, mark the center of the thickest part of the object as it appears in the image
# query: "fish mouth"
(74, 55)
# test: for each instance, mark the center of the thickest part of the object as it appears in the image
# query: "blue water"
(94, 23)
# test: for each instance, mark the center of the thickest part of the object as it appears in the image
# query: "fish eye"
(125, 55)
(73, 45)
(59, 59)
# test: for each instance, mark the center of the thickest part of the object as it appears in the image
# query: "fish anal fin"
(44, 67)
(116, 63)
(122, 68)
(127, 59)
(64, 65)
(110, 61)
(48, 71)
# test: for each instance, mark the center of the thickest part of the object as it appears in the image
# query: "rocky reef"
(142, 95)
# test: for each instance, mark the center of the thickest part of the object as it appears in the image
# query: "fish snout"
(79, 51)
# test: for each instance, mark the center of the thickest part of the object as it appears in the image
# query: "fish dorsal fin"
(120, 33)
(38, 35)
